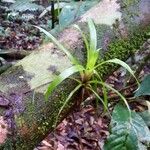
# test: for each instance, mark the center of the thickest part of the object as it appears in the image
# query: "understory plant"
(135, 134)
(89, 77)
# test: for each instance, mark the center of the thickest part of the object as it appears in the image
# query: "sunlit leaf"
(93, 35)
(121, 63)
(60, 46)
(64, 75)
(92, 53)
(114, 90)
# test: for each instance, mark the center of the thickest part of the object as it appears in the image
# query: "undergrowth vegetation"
(27, 23)
(125, 126)
(17, 18)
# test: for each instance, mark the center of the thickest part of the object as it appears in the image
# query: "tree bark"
(26, 118)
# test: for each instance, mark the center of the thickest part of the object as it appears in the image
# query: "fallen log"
(26, 118)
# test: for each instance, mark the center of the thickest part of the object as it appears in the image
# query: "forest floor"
(87, 127)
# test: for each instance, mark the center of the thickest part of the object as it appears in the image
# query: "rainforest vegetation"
(74, 74)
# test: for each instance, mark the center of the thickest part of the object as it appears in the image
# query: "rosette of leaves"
(89, 77)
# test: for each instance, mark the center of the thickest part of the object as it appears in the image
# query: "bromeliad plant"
(89, 77)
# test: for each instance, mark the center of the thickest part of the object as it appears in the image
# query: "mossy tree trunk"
(25, 115)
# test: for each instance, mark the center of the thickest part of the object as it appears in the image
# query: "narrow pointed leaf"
(146, 117)
(66, 101)
(64, 75)
(124, 65)
(59, 45)
(93, 35)
(114, 90)
(83, 36)
(118, 93)
(95, 93)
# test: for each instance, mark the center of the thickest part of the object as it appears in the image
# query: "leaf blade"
(144, 88)
(128, 134)
(60, 78)
(66, 101)
(59, 45)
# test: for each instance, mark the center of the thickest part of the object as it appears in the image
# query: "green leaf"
(92, 52)
(118, 93)
(127, 132)
(91, 46)
(114, 90)
(93, 35)
(67, 15)
(73, 10)
(96, 94)
(59, 45)
(124, 139)
(66, 101)
(83, 36)
(144, 88)
(121, 63)
(145, 116)
(124, 65)
(58, 5)
(60, 78)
